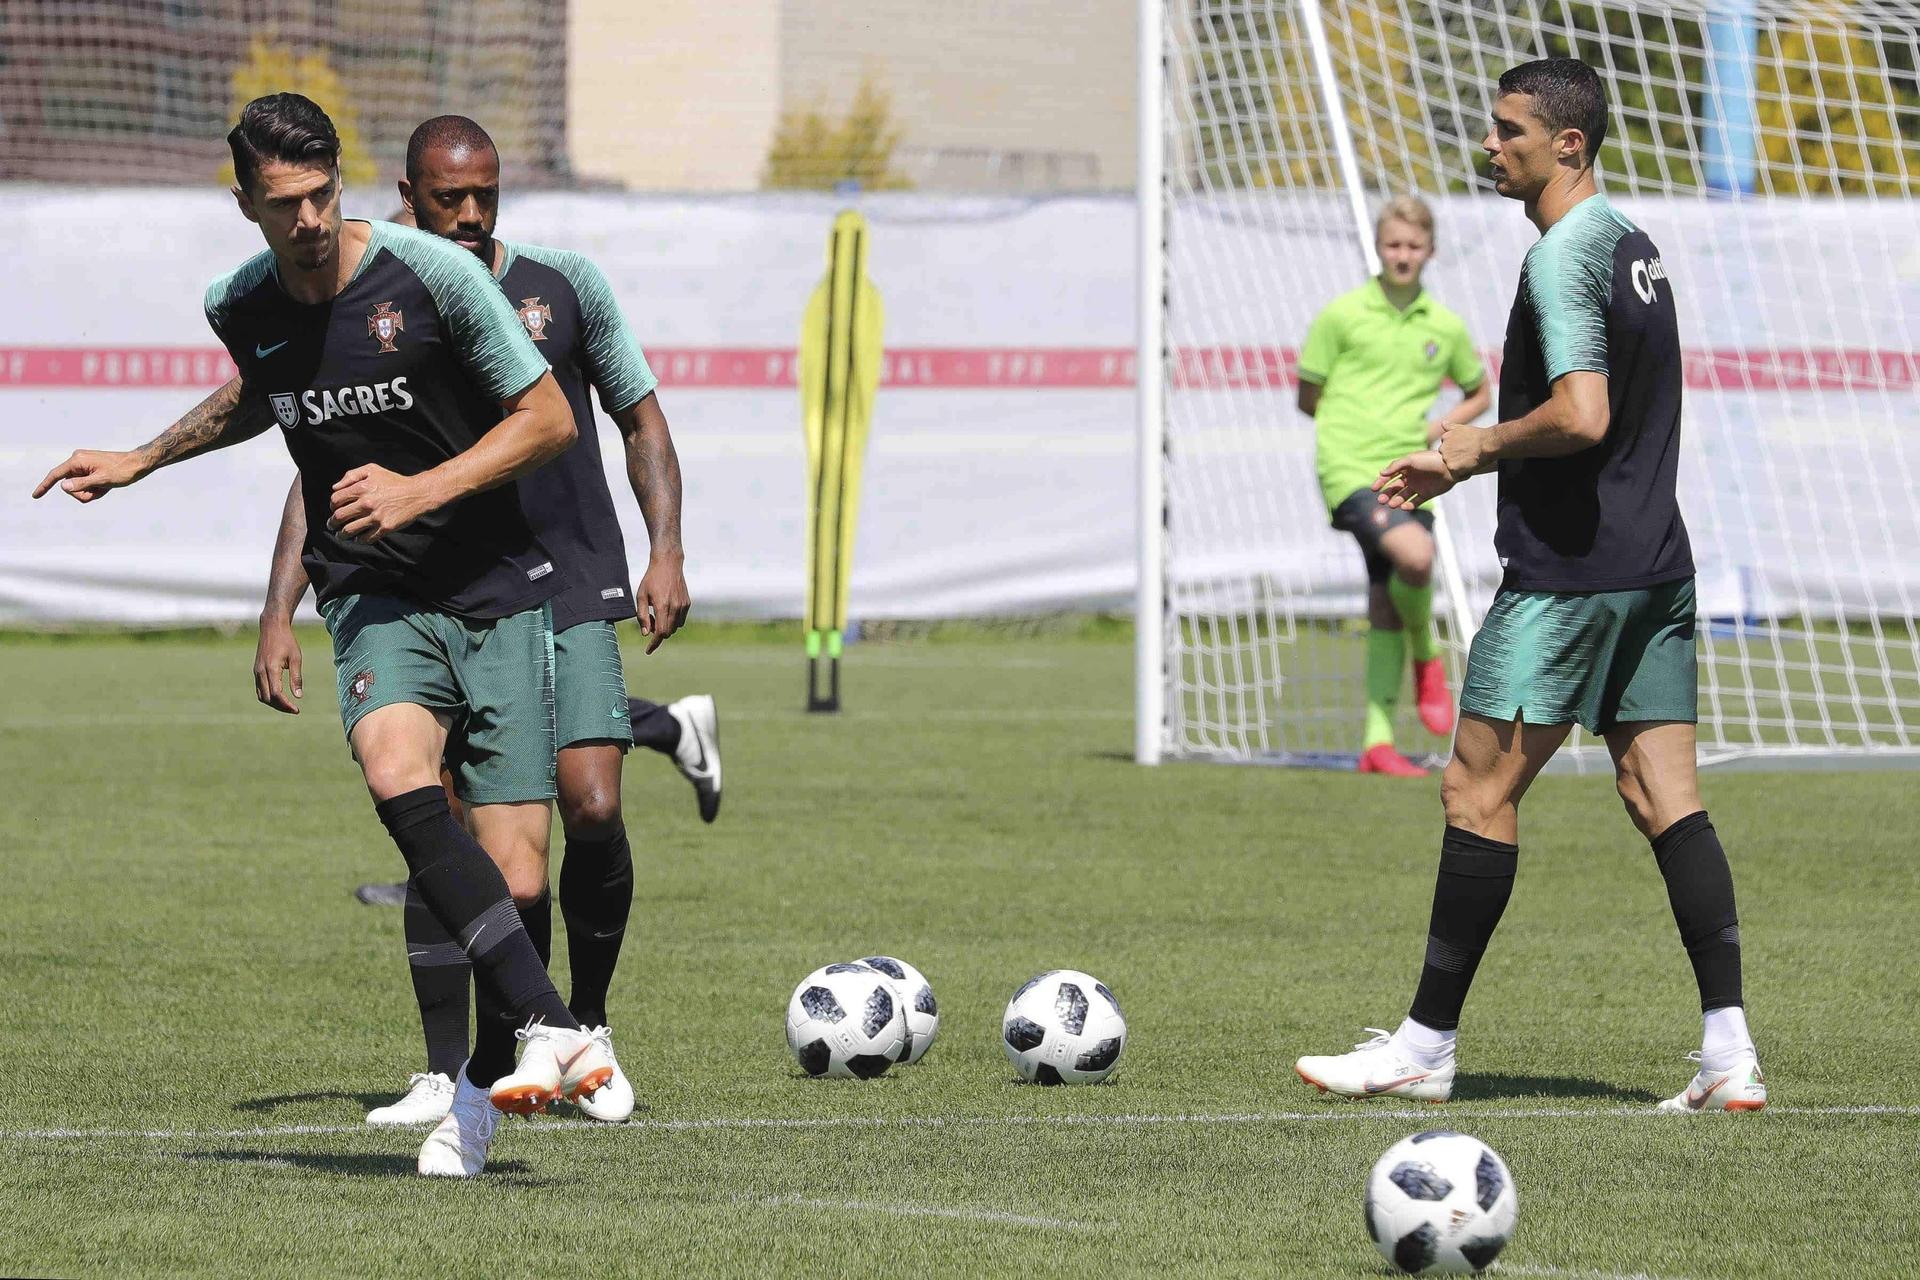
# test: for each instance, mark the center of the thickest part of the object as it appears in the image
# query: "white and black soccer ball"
(1064, 1027)
(846, 1021)
(923, 1012)
(1440, 1203)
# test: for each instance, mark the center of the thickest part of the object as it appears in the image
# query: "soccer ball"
(1440, 1203)
(1064, 1027)
(923, 1014)
(846, 1021)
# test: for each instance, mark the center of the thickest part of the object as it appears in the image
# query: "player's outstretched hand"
(1406, 483)
(277, 652)
(371, 502)
(91, 473)
(661, 601)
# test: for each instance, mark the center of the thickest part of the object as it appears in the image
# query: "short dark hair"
(284, 127)
(457, 133)
(1567, 94)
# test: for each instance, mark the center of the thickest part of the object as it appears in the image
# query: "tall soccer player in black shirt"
(1594, 620)
(452, 189)
(410, 397)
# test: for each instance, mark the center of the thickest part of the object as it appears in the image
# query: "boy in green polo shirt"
(1373, 363)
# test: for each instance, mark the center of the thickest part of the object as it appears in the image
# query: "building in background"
(145, 92)
(672, 95)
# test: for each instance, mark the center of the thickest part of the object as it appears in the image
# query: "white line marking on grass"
(997, 1217)
(1357, 1112)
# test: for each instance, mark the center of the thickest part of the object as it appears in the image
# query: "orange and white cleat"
(612, 1102)
(1432, 696)
(1377, 1068)
(557, 1063)
(1382, 758)
(1739, 1088)
(458, 1147)
(428, 1098)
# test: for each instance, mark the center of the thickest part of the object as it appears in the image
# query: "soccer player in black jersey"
(1594, 620)
(410, 397)
(452, 189)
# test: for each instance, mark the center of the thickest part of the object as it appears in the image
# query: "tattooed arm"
(228, 416)
(653, 469)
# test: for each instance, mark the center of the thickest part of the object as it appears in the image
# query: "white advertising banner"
(1001, 470)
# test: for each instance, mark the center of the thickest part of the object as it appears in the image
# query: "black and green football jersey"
(1594, 296)
(404, 368)
(569, 311)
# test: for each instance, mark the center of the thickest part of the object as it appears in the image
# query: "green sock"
(1415, 607)
(1386, 668)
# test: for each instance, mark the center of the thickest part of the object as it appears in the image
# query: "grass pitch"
(199, 1013)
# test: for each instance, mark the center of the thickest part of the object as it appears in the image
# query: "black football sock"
(1700, 891)
(441, 974)
(468, 896)
(1475, 881)
(596, 898)
(494, 1044)
(653, 727)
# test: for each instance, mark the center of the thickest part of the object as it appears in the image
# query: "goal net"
(1772, 151)
(145, 93)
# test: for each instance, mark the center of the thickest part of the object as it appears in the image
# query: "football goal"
(1771, 148)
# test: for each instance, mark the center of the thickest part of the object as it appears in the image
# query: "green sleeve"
(486, 335)
(609, 353)
(1464, 365)
(1322, 347)
(222, 293)
(1569, 284)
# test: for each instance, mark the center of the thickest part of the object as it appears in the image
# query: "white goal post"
(1771, 148)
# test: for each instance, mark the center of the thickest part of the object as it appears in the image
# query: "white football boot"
(1739, 1088)
(428, 1098)
(612, 1102)
(1377, 1068)
(557, 1063)
(698, 754)
(458, 1147)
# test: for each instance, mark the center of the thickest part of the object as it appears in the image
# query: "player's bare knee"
(1415, 568)
(387, 778)
(593, 814)
(523, 866)
(1634, 795)
(1466, 799)
(526, 884)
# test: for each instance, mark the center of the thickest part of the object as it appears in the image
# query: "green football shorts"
(589, 688)
(1601, 659)
(493, 676)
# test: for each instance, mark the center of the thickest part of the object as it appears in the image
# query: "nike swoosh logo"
(1371, 1087)
(567, 1065)
(1695, 1101)
(261, 353)
(476, 936)
(611, 933)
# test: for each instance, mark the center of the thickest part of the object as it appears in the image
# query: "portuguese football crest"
(384, 323)
(285, 408)
(1433, 349)
(360, 688)
(536, 315)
